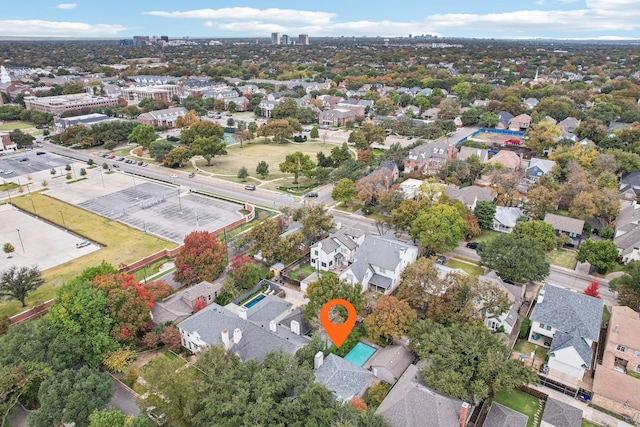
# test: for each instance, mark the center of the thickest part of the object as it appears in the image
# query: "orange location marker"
(338, 333)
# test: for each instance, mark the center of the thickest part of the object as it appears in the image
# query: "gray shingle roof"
(412, 404)
(380, 251)
(501, 416)
(508, 216)
(627, 241)
(560, 414)
(468, 195)
(343, 378)
(380, 281)
(562, 340)
(564, 223)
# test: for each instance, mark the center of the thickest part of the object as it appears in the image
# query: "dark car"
(250, 187)
(441, 259)
(312, 194)
(191, 175)
(40, 153)
(472, 245)
(115, 165)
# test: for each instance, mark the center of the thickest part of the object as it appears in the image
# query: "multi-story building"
(617, 380)
(303, 39)
(59, 104)
(285, 39)
(162, 93)
(275, 38)
(6, 144)
(163, 118)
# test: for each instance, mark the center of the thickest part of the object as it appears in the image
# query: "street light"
(20, 237)
(63, 223)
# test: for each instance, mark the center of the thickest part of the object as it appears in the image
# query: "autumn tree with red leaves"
(170, 337)
(592, 289)
(202, 258)
(199, 304)
(239, 260)
(358, 404)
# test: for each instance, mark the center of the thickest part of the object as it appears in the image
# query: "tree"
(472, 228)
(419, 284)
(297, 163)
(438, 228)
(16, 283)
(170, 337)
(602, 254)
(540, 200)
(391, 318)
(542, 136)
(344, 191)
(143, 135)
(330, 287)
(71, 396)
(314, 134)
(485, 211)
(280, 129)
(177, 157)
(489, 120)
(538, 230)
(115, 418)
(628, 285)
(209, 147)
(8, 249)
(592, 289)
(481, 366)
(159, 149)
(373, 133)
(514, 258)
(243, 173)
(21, 139)
(264, 239)
(262, 169)
(340, 155)
(110, 145)
(202, 257)
(316, 221)
(201, 129)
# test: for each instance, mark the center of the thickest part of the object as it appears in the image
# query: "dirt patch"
(144, 358)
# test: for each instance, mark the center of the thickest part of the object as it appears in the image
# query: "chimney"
(318, 360)
(242, 312)
(237, 335)
(464, 412)
(272, 326)
(615, 330)
(295, 327)
(225, 339)
(541, 296)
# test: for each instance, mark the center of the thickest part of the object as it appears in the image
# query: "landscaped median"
(121, 244)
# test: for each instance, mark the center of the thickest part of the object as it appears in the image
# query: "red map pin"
(338, 333)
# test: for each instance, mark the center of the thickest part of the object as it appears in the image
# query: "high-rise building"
(303, 39)
(275, 38)
(285, 39)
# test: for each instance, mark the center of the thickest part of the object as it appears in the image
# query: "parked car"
(191, 175)
(441, 259)
(174, 176)
(250, 187)
(115, 165)
(40, 153)
(472, 245)
(82, 244)
(9, 172)
(140, 163)
(144, 164)
(312, 194)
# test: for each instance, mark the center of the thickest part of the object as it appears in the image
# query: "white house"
(569, 324)
(505, 218)
(508, 319)
(336, 250)
(379, 261)
(410, 187)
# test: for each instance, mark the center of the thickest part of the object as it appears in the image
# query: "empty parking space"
(29, 162)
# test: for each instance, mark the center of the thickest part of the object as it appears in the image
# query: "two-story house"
(617, 380)
(379, 261)
(431, 157)
(335, 251)
(568, 323)
(509, 318)
(537, 168)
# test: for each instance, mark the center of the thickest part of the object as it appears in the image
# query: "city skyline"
(558, 19)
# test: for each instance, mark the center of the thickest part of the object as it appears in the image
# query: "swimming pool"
(360, 354)
(255, 301)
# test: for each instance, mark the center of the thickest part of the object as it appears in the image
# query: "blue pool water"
(360, 354)
(255, 301)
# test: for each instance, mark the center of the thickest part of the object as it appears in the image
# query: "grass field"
(121, 245)
(9, 126)
(526, 347)
(472, 270)
(519, 401)
(487, 236)
(562, 258)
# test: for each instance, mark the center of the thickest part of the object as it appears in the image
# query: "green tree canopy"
(16, 283)
(159, 149)
(514, 258)
(438, 228)
(143, 135)
(538, 230)
(297, 163)
(602, 254)
(209, 147)
(628, 285)
(344, 191)
(201, 129)
(330, 287)
(485, 211)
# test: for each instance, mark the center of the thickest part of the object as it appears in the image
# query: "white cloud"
(237, 14)
(38, 28)
(67, 6)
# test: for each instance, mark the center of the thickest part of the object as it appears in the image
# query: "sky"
(559, 19)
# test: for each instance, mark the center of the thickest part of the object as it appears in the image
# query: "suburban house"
(627, 237)
(629, 186)
(504, 118)
(537, 168)
(530, 103)
(242, 103)
(267, 106)
(410, 403)
(390, 169)
(569, 324)
(6, 144)
(410, 187)
(520, 123)
(568, 125)
(248, 332)
(466, 152)
(515, 293)
(471, 195)
(163, 118)
(336, 251)
(336, 117)
(501, 416)
(429, 158)
(378, 262)
(182, 304)
(506, 158)
(570, 227)
(344, 379)
(613, 388)
(506, 218)
(560, 414)
(389, 363)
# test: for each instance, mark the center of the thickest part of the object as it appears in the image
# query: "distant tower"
(535, 78)
(303, 39)
(386, 42)
(275, 38)
(4, 76)
(285, 39)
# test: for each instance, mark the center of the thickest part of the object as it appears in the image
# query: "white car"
(82, 244)
(174, 176)
(9, 172)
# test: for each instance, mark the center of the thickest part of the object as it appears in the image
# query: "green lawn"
(121, 245)
(471, 270)
(562, 258)
(305, 269)
(10, 126)
(519, 401)
(587, 423)
(352, 207)
(486, 236)
(526, 347)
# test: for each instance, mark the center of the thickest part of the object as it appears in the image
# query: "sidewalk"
(588, 412)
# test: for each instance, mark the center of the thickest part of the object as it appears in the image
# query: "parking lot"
(29, 162)
(37, 242)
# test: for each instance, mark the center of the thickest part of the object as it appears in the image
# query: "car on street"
(174, 176)
(140, 163)
(144, 164)
(472, 245)
(40, 153)
(441, 259)
(250, 187)
(115, 165)
(191, 175)
(82, 244)
(312, 194)
(119, 159)
(9, 172)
